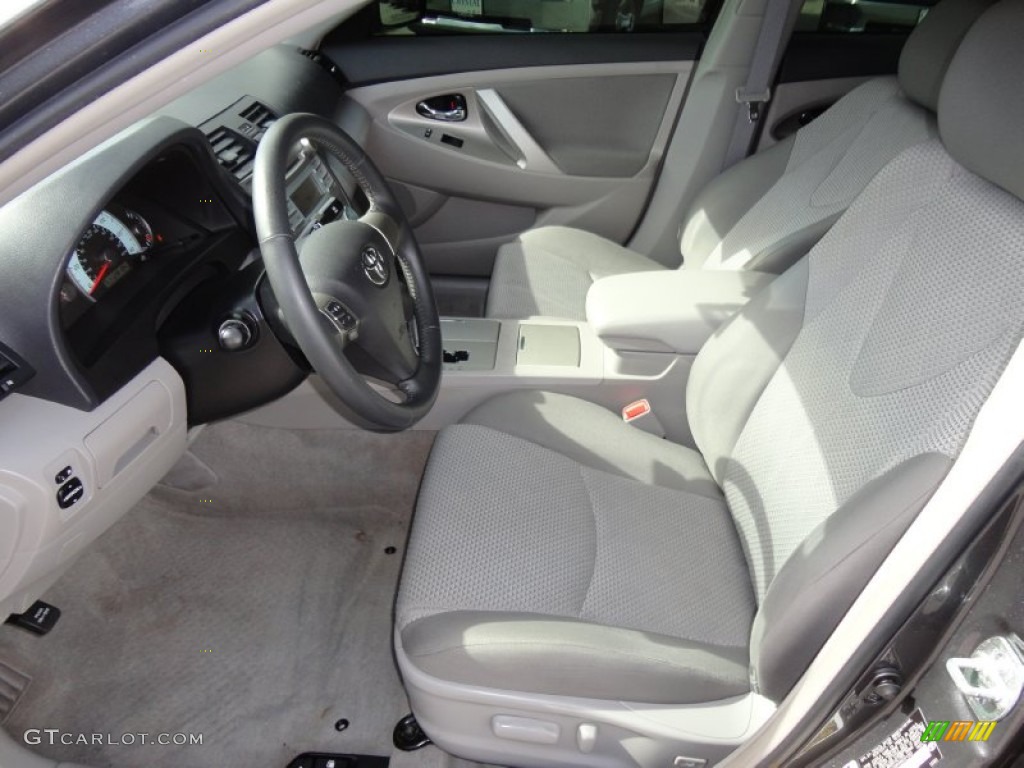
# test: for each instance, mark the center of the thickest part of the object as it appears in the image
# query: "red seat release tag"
(635, 410)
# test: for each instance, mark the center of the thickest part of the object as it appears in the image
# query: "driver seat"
(579, 592)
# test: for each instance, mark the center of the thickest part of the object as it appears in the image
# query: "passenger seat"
(767, 211)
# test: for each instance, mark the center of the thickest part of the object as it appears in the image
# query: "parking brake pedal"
(408, 735)
(39, 619)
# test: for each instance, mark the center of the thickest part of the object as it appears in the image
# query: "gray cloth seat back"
(861, 370)
(767, 211)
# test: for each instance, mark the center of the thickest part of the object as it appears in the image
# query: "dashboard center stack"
(315, 197)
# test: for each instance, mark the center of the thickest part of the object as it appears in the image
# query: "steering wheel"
(354, 294)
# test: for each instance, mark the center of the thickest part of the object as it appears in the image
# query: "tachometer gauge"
(140, 228)
(106, 252)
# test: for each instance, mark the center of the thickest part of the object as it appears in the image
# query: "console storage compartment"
(470, 343)
(548, 345)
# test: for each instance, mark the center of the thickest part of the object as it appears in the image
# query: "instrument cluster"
(114, 253)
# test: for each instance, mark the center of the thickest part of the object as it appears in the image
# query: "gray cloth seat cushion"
(548, 271)
(593, 436)
(828, 410)
(588, 583)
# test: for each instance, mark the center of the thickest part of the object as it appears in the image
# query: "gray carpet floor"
(250, 603)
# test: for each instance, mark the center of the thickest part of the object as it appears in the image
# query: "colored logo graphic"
(958, 730)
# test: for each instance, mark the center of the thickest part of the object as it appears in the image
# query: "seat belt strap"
(756, 93)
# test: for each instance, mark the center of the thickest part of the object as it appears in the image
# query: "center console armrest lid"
(672, 311)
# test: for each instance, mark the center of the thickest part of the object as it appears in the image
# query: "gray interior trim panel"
(465, 202)
(117, 453)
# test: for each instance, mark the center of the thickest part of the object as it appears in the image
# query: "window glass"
(541, 16)
(853, 16)
(12, 9)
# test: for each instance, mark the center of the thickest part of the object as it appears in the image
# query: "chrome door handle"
(447, 109)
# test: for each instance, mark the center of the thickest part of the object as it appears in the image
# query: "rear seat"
(767, 211)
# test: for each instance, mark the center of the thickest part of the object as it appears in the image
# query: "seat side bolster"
(535, 653)
(727, 198)
(786, 252)
(736, 364)
(820, 581)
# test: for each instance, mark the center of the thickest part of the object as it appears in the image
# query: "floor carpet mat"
(252, 610)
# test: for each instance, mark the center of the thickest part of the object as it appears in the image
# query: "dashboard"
(142, 222)
(121, 273)
(161, 231)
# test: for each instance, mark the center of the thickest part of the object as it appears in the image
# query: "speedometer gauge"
(106, 252)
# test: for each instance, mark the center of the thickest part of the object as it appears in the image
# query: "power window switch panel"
(70, 493)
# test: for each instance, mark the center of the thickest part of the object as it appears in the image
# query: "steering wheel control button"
(340, 316)
(332, 212)
(70, 493)
(374, 266)
(64, 475)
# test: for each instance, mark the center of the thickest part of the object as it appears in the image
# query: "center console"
(472, 344)
(640, 339)
(485, 357)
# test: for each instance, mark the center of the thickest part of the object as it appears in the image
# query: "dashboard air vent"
(258, 115)
(235, 131)
(325, 64)
(233, 151)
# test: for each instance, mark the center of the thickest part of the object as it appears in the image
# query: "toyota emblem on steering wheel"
(374, 266)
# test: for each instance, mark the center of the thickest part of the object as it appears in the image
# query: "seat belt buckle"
(640, 414)
(755, 101)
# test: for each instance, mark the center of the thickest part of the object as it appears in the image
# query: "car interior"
(393, 384)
